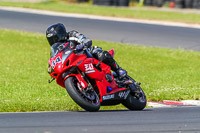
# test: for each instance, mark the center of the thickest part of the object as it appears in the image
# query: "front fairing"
(58, 47)
(56, 59)
(63, 61)
(66, 54)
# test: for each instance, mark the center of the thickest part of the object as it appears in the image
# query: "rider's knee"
(105, 57)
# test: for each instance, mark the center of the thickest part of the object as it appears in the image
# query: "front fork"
(89, 86)
(80, 78)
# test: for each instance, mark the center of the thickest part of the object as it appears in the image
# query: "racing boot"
(121, 73)
(107, 58)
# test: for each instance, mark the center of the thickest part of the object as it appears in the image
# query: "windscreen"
(54, 50)
(57, 47)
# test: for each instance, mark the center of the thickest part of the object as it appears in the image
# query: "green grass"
(164, 73)
(138, 13)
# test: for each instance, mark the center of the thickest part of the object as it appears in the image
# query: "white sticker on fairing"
(124, 94)
(107, 97)
(89, 68)
(90, 71)
(57, 60)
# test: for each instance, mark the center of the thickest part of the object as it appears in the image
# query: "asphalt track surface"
(157, 120)
(125, 32)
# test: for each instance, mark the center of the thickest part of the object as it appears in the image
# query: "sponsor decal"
(124, 94)
(107, 97)
(49, 35)
(79, 63)
(89, 68)
(57, 60)
(90, 71)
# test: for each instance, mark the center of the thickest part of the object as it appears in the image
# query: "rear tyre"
(158, 3)
(179, 3)
(82, 0)
(123, 2)
(87, 99)
(135, 100)
(148, 2)
(196, 4)
(134, 103)
(102, 2)
(188, 3)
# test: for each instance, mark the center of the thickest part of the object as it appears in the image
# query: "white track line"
(169, 103)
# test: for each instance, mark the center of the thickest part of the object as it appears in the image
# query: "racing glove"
(78, 38)
(79, 47)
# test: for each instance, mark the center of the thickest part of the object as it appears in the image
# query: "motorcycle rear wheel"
(88, 100)
(135, 101)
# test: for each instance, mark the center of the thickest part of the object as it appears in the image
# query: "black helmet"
(56, 33)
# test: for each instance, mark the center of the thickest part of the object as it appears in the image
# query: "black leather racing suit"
(97, 52)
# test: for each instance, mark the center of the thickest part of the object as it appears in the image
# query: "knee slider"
(96, 50)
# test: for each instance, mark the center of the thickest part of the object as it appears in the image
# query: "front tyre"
(85, 98)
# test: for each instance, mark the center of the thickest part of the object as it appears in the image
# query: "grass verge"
(138, 13)
(164, 73)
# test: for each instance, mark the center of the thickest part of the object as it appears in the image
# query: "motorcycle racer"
(57, 35)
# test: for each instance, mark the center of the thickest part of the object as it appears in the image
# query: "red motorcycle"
(90, 83)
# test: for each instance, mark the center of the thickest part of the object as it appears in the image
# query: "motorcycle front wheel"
(85, 98)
